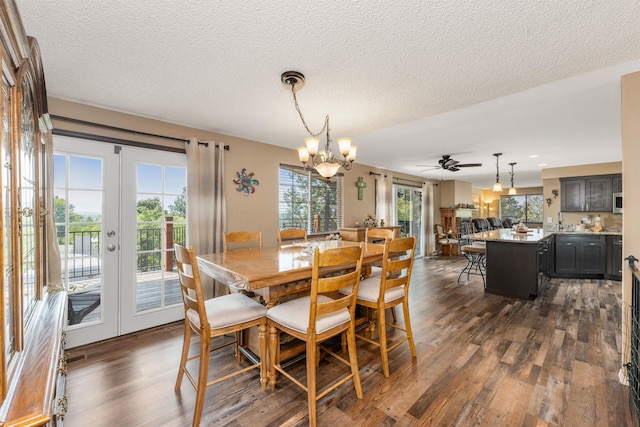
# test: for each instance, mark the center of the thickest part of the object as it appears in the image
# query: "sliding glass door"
(408, 212)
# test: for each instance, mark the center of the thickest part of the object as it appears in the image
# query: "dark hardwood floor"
(483, 360)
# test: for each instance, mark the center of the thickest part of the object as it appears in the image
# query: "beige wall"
(453, 192)
(258, 211)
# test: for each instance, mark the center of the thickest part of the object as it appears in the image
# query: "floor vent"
(76, 358)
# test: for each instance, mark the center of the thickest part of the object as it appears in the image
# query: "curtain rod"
(119, 129)
(408, 180)
(377, 174)
(112, 140)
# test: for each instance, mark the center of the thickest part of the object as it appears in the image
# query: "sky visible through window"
(83, 177)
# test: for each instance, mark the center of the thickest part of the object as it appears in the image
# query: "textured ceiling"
(408, 80)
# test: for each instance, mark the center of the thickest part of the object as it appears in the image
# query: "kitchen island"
(520, 264)
(517, 264)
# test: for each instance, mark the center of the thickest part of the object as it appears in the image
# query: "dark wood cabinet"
(572, 195)
(599, 194)
(580, 256)
(614, 258)
(617, 183)
(588, 194)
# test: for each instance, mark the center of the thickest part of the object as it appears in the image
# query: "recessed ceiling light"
(533, 156)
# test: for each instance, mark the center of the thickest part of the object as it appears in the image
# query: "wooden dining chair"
(373, 235)
(244, 238)
(291, 234)
(387, 291)
(318, 317)
(377, 235)
(213, 318)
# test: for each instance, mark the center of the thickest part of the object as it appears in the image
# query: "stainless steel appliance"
(617, 203)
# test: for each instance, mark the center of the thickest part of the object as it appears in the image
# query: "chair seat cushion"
(448, 241)
(369, 290)
(478, 249)
(375, 271)
(294, 314)
(228, 310)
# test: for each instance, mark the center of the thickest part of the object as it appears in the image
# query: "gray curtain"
(384, 201)
(54, 274)
(206, 205)
(429, 245)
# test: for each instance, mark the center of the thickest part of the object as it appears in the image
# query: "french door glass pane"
(161, 221)
(78, 207)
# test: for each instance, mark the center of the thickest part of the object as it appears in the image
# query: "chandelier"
(322, 160)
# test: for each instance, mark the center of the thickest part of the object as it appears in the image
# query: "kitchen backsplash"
(608, 219)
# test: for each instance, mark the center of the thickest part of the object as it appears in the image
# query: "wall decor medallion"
(245, 182)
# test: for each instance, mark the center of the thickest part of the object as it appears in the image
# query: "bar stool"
(474, 252)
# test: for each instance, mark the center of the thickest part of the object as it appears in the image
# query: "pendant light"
(497, 186)
(512, 189)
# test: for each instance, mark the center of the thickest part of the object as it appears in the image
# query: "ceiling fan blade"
(469, 165)
(453, 169)
(431, 168)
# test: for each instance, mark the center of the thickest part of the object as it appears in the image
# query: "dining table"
(274, 273)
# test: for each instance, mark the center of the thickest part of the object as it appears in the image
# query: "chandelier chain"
(326, 119)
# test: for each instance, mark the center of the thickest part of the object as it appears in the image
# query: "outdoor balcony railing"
(84, 250)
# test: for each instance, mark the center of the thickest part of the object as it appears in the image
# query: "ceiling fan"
(447, 163)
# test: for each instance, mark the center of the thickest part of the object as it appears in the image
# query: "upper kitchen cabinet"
(588, 194)
(617, 183)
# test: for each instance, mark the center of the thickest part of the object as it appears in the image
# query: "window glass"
(309, 201)
(522, 207)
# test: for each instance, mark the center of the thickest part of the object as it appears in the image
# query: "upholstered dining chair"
(387, 291)
(444, 239)
(290, 234)
(212, 318)
(318, 317)
(494, 222)
(244, 238)
(480, 225)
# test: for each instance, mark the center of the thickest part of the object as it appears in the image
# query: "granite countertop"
(604, 233)
(532, 236)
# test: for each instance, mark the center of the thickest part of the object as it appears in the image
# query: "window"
(309, 201)
(525, 207)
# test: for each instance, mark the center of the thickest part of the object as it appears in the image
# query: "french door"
(118, 210)
(408, 212)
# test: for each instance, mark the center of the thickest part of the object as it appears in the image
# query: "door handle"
(111, 247)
